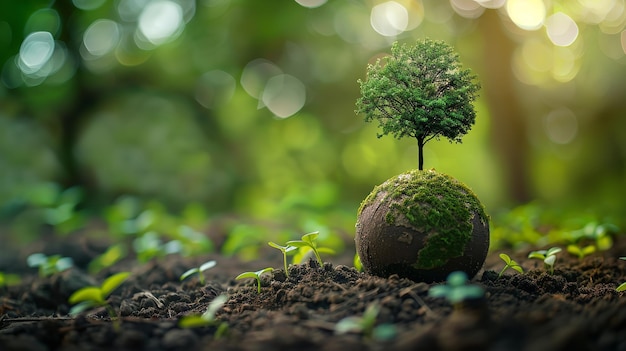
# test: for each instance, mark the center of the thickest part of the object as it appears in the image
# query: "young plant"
(548, 257)
(366, 325)
(581, 252)
(8, 279)
(49, 265)
(622, 287)
(309, 241)
(96, 296)
(199, 270)
(256, 275)
(108, 258)
(207, 319)
(420, 91)
(457, 290)
(285, 250)
(509, 263)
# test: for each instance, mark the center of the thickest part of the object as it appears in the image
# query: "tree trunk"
(420, 153)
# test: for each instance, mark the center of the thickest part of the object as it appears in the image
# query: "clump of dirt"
(577, 307)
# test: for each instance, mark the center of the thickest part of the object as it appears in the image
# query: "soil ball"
(422, 225)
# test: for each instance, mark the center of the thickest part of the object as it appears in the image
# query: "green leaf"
(83, 306)
(553, 251)
(264, 270)
(311, 238)
(188, 273)
(112, 282)
(457, 278)
(536, 254)
(36, 260)
(348, 325)
(214, 306)
(245, 275)
(207, 265)
(439, 291)
(87, 294)
(505, 258)
(622, 287)
(517, 267)
(550, 260)
(193, 321)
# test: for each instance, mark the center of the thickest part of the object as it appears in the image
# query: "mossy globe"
(422, 225)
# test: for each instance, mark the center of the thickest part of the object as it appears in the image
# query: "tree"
(420, 91)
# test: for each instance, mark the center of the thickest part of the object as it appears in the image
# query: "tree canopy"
(420, 91)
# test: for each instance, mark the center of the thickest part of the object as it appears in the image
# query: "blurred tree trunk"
(508, 127)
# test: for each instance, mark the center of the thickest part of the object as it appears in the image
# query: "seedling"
(112, 255)
(285, 250)
(8, 279)
(356, 261)
(256, 275)
(581, 252)
(509, 264)
(548, 257)
(199, 270)
(366, 325)
(457, 290)
(95, 296)
(622, 287)
(49, 265)
(309, 241)
(207, 319)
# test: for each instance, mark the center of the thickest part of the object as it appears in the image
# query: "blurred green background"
(246, 107)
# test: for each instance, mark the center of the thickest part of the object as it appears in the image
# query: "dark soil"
(576, 308)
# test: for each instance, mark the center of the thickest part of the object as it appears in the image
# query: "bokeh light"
(101, 37)
(160, 22)
(561, 29)
(35, 52)
(215, 88)
(561, 126)
(311, 3)
(526, 14)
(389, 18)
(467, 8)
(284, 95)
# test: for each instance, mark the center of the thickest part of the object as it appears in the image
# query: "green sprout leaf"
(548, 257)
(621, 287)
(255, 275)
(199, 270)
(581, 252)
(207, 318)
(456, 290)
(94, 296)
(285, 250)
(112, 282)
(509, 263)
(309, 242)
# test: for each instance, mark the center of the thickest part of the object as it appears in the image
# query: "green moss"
(433, 203)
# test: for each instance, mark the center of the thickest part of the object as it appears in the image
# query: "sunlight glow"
(101, 37)
(491, 4)
(389, 18)
(561, 126)
(255, 75)
(467, 8)
(161, 21)
(215, 88)
(35, 52)
(526, 14)
(561, 29)
(311, 3)
(284, 95)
